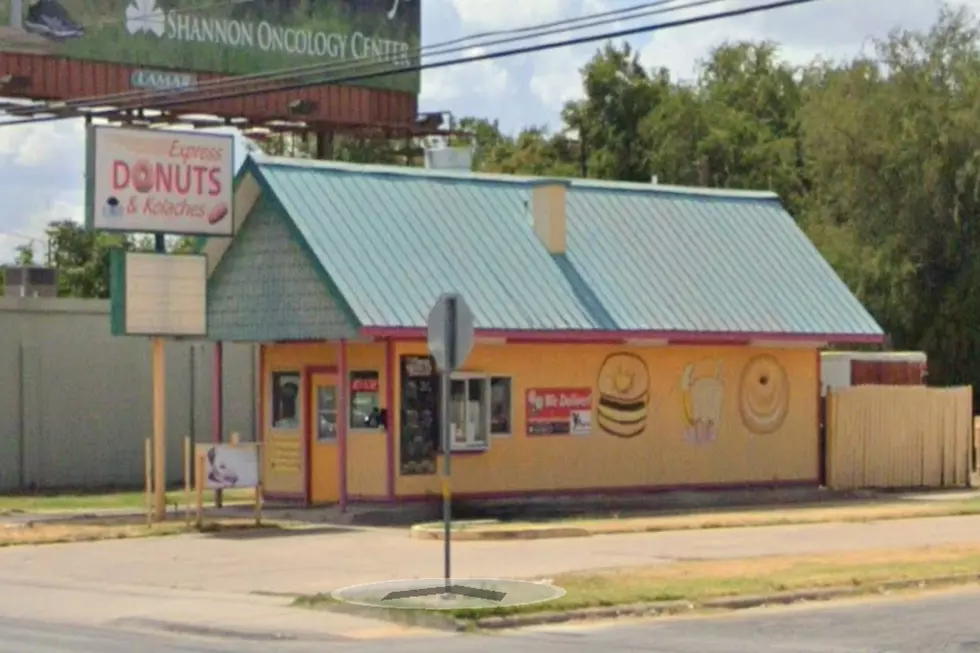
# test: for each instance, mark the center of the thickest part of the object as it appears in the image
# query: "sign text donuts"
(159, 181)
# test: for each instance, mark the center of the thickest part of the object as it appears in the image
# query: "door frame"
(309, 428)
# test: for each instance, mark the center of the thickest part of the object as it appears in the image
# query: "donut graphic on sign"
(624, 395)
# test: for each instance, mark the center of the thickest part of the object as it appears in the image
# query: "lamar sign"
(229, 38)
(159, 181)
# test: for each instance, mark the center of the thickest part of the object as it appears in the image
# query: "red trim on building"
(619, 337)
(390, 444)
(343, 422)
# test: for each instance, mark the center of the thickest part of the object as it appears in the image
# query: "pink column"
(343, 387)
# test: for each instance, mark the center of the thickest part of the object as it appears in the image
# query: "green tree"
(82, 258)
(619, 95)
(25, 255)
(892, 146)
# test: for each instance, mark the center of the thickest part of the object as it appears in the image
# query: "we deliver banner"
(160, 181)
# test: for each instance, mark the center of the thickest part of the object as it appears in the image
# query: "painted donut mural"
(624, 395)
(763, 395)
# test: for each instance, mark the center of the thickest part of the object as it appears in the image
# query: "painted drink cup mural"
(703, 396)
(229, 38)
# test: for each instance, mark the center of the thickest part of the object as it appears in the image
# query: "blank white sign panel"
(166, 295)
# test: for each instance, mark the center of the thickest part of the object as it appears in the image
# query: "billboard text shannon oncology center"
(232, 38)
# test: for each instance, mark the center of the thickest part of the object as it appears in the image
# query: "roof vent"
(548, 211)
(449, 158)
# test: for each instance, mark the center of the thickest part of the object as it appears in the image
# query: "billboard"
(159, 181)
(157, 294)
(235, 37)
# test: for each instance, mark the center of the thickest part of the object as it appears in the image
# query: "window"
(365, 411)
(326, 412)
(500, 406)
(285, 400)
(478, 406)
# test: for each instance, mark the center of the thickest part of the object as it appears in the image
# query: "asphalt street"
(937, 623)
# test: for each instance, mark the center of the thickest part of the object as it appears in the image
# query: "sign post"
(159, 182)
(450, 339)
(159, 412)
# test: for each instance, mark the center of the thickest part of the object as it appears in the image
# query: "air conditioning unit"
(449, 158)
(30, 282)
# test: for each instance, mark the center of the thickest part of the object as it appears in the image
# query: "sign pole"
(447, 497)
(159, 415)
(450, 337)
(159, 430)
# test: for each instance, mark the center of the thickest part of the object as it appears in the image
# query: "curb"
(667, 608)
(434, 620)
(434, 530)
(426, 532)
(430, 619)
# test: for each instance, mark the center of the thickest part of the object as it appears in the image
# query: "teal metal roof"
(639, 257)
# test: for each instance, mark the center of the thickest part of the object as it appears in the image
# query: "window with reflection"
(365, 401)
(500, 406)
(468, 416)
(285, 400)
(326, 411)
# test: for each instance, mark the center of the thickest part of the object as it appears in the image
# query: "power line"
(617, 34)
(147, 98)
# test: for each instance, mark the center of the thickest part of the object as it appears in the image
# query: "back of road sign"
(450, 331)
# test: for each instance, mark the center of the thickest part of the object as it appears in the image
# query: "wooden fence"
(899, 437)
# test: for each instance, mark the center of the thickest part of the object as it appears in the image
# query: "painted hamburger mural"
(624, 395)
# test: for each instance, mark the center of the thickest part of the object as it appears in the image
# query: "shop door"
(325, 454)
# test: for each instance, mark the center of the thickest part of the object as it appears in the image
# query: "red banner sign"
(365, 384)
(557, 411)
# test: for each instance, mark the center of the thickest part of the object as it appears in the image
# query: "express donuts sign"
(160, 181)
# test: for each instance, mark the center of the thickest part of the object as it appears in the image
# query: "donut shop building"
(629, 337)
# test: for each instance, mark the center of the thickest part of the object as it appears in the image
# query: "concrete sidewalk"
(309, 563)
(195, 613)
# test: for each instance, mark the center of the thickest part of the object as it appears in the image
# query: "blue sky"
(42, 165)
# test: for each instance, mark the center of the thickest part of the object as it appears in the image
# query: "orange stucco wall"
(762, 404)
(365, 448)
(662, 455)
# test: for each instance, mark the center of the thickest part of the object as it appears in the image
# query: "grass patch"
(701, 581)
(53, 503)
(697, 583)
(20, 535)
(787, 515)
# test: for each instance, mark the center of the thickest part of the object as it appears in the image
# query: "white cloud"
(831, 29)
(485, 79)
(40, 144)
(508, 14)
(555, 80)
